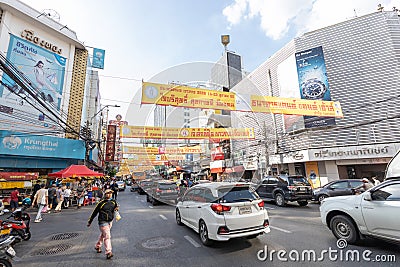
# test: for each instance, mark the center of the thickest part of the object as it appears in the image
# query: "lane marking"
(280, 229)
(163, 217)
(150, 207)
(194, 243)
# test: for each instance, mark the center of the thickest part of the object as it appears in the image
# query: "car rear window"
(298, 181)
(236, 194)
(167, 186)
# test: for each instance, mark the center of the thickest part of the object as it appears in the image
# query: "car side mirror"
(367, 196)
(331, 188)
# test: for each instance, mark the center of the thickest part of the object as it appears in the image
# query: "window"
(188, 196)
(236, 194)
(354, 184)
(198, 195)
(208, 195)
(387, 193)
(340, 185)
(273, 180)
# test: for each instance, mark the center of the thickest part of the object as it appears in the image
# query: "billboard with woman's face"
(45, 71)
(43, 68)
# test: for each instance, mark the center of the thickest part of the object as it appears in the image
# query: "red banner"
(110, 145)
(19, 176)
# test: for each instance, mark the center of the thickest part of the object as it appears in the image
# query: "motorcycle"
(19, 226)
(7, 252)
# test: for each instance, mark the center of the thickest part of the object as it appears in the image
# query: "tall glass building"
(355, 62)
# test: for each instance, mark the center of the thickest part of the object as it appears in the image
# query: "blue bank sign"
(20, 144)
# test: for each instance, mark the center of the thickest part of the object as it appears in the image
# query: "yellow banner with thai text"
(185, 96)
(150, 132)
(294, 106)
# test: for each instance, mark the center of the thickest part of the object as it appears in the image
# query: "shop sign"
(355, 152)
(30, 36)
(250, 165)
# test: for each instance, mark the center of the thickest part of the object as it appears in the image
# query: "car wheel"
(302, 203)
(178, 217)
(344, 228)
(321, 197)
(203, 232)
(280, 200)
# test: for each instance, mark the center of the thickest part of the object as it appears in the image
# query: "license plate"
(244, 210)
(5, 231)
(169, 191)
(11, 251)
(302, 189)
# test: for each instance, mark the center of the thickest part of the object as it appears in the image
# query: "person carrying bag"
(106, 209)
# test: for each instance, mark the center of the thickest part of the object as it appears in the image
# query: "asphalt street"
(149, 236)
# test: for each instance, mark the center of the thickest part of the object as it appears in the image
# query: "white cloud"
(278, 16)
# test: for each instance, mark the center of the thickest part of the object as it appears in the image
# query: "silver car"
(374, 213)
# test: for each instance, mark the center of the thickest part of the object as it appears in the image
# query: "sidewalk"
(61, 239)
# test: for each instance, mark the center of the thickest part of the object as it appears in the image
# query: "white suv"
(221, 211)
(373, 213)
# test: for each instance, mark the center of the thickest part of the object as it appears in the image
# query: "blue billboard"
(21, 144)
(313, 83)
(98, 58)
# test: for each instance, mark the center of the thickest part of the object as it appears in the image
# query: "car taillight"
(158, 190)
(266, 223)
(218, 208)
(261, 204)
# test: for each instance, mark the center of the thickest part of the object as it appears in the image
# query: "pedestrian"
(14, 199)
(80, 194)
(41, 199)
(60, 198)
(52, 191)
(364, 186)
(36, 188)
(105, 210)
(376, 181)
(67, 195)
(114, 188)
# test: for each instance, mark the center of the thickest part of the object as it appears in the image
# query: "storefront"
(38, 153)
(338, 162)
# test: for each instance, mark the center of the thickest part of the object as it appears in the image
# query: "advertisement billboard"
(313, 83)
(45, 71)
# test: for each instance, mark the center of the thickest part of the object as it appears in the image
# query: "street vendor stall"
(20, 180)
(75, 171)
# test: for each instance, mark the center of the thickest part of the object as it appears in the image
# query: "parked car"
(220, 211)
(163, 191)
(374, 213)
(134, 186)
(121, 185)
(282, 189)
(144, 185)
(336, 188)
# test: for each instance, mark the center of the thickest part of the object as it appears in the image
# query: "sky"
(144, 37)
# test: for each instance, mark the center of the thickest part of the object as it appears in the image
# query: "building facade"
(40, 126)
(361, 61)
